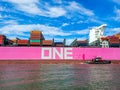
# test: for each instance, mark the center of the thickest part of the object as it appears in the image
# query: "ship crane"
(96, 33)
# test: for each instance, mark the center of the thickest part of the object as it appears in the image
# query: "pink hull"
(57, 53)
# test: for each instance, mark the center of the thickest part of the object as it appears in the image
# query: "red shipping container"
(22, 44)
(59, 45)
(34, 43)
(23, 41)
(1, 42)
(1, 39)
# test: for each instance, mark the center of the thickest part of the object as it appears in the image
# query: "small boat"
(99, 60)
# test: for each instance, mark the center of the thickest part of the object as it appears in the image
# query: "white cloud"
(10, 22)
(19, 30)
(116, 1)
(0, 16)
(55, 12)
(36, 7)
(69, 41)
(31, 7)
(112, 31)
(65, 24)
(117, 12)
(1, 8)
(28, 6)
(74, 6)
(116, 29)
(81, 32)
(58, 1)
(23, 1)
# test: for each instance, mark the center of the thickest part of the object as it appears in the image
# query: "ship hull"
(58, 53)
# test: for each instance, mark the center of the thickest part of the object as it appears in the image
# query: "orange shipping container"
(14, 40)
(35, 32)
(47, 42)
(34, 38)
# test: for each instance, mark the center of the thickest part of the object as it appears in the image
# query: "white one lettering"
(59, 53)
(54, 53)
(67, 53)
(47, 51)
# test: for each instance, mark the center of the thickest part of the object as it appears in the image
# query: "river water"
(60, 77)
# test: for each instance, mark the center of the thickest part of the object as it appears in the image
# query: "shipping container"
(34, 44)
(47, 42)
(35, 40)
(39, 37)
(23, 41)
(0, 42)
(35, 31)
(82, 43)
(59, 44)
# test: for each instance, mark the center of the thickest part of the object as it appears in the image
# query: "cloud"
(116, 1)
(65, 24)
(28, 6)
(1, 9)
(116, 29)
(112, 31)
(9, 22)
(36, 7)
(0, 16)
(76, 7)
(117, 12)
(81, 32)
(19, 30)
(58, 1)
(55, 12)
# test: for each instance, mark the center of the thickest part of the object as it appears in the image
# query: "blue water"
(59, 77)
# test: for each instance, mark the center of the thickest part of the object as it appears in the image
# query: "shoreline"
(50, 61)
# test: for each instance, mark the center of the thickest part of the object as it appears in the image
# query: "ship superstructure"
(95, 35)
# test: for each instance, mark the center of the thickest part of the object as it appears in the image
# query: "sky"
(58, 19)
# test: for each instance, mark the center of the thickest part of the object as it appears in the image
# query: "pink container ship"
(37, 48)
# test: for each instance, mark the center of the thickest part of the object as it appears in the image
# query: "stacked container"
(2, 39)
(59, 44)
(47, 43)
(22, 42)
(36, 38)
(117, 35)
(114, 41)
(82, 43)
